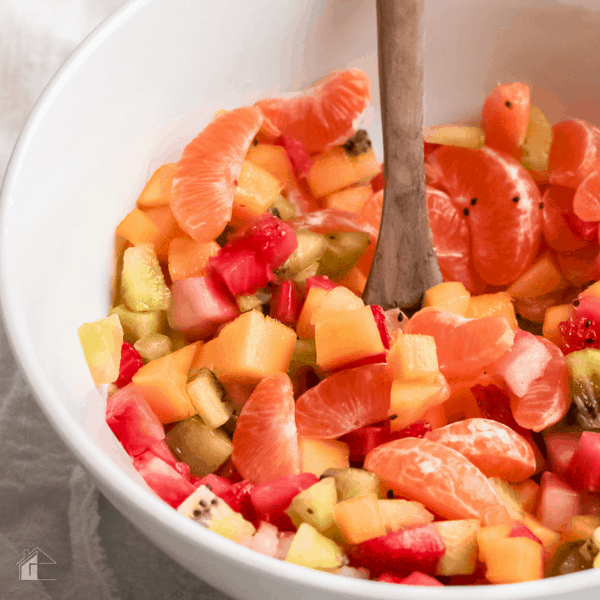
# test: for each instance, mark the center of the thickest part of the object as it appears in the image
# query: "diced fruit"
(137, 228)
(342, 253)
(168, 228)
(137, 325)
(286, 303)
(401, 552)
(583, 471)
(256, 189)
(242, 270)
(511, 560)
(543, 277)
(315, 504)
(560, 448)
(158, 189)
(454, 135)
(273, 159)
(297, 155)
(275, 495)
(552, 318)
(320, 281)
(351, 199)
(101, 342)
(351, 482)
(249, 302)
(189, 258)
(462, 404)
(200, 447)
(206, 393)
(265, 540)
(359, 518)
(572, 557)
(143, 285)
(520, 530)
(582, 527)
(537, 141)
(305, 328)
(528, 492)
(499, 304)
(460, 539)
(413, 358)
(131, 363)
(310, 249)
(346, 337)
(524, 363)
(312, 549)
(207, 509)
(451, 295)
(399, 514)
(154, 346)
(318, 455)
(336, 302)
(584, 380)
(163, 381)
(558, 501)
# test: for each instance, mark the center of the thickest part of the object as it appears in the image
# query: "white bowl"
(140, 87)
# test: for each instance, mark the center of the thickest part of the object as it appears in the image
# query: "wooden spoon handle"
(405, 264)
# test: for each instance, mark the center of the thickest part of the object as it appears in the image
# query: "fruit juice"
(259, 396)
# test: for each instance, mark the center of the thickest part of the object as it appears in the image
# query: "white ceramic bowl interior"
(139, 88)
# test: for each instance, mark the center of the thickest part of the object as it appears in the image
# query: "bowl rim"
(104, 470)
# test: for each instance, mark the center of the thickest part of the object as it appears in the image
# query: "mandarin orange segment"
(324, 115)
(265, 440)
(586, 202)
(371, 211)
(439, 477)
(205, 179)
(494, 448)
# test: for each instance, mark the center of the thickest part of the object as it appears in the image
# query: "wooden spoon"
(405, 264)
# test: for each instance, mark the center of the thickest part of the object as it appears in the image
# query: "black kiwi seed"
(508, 104)
(516, 199)
(466, 212)
(473, 201)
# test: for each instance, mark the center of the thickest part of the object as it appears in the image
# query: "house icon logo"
(28, 565)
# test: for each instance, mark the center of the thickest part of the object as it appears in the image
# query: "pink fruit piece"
(166, 481)
(400, 552)
(199, 305)
(520, 530)
(320, 281)
(523, 363)
(583, 471)
(298, 156)
(131, 363)
(418, 578)
(218, 485)
(242, 270)
(238, 498)
(380, 319)
(378, 182)
(582, 329)
(583, 230)
(560, 448)
(558, 501)
(132, 420)
(286, 303)
(276, 495)
(272, 239)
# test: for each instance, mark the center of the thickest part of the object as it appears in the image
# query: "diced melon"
(255, 192)
(272, 158)
(101, 342)
(461, 405)
(450, 295)
(189, 258)
(163, 384)
(351, 199)
(359, 518)
(580, 527)
(499, 304)
(460, 540)
(334, 170)
(487, 536)
(168, 228)
(436, 416)
(553, 317)
(410, 400)
(347, 337)
(398, 514)
(137, 228)
(543, 277)
(413, 357)
(305, 328)
(318, 455)
(355, 280)
(337, 301)
(512, 560)
(251, 347)
(157, 191)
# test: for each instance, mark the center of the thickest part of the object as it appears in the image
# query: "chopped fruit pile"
(257, 394)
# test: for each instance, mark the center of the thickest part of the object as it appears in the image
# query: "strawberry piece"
(276, 495)
(582, 329)
(131, 363)
(418, 578)
(380, 319)
(583, 472)
(583, 230)
(367, 360)
(400, 552)
(494, 403)
(286, 303)
(520, 530)
(238, 498)
(218, 485)
(389, 578)
(242, 270)
(418, 429)
(320, 281)
(378, 182)
(298, 156)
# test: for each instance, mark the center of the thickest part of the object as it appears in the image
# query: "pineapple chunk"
(101, 342)
(312, 549)
(206, 394)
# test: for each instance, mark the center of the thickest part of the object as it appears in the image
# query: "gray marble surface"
(47, 501)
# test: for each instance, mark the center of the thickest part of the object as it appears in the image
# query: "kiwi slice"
(343, 251)
(584, 380)
(311, 247)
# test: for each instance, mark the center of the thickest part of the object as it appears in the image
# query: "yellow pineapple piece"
(398, 514)
(318, 455)
(413, 357)
(101, 342)
(359, 518)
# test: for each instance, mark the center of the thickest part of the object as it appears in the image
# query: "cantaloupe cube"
(543, 277)
(305, 328)
(450, 295)
(462, 405)
(137, 228)
(255, 192)
(487, 536)
(273, 159)
(189, 258)
(101, 342)
(168, 228)
(163, 382)
(410, 400)
(436, 416)
(413, 357)
(460, 540)
(355, 280)
(158, 189)
(351, 199)
(359, 518)
(555, 315)
(206, 356)
(337, 301)
(398, 514)
(334, 170)
(251, 347)
(512, 560)
(499, 304)
(318, 455)
(347, 337)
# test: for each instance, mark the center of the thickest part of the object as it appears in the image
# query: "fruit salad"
(257, 394)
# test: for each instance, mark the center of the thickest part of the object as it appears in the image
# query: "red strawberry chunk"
(298, 156)
(242, 270)
(583, 471)
(520, 530)
(131, 363)
(367, 360)
(380, 319)
(400, 552)
(378, 182)
(418, 429)
(321, 281)
(418, 578)
(238, 498)
(218, 485)
(286, 303)
(276, 495)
